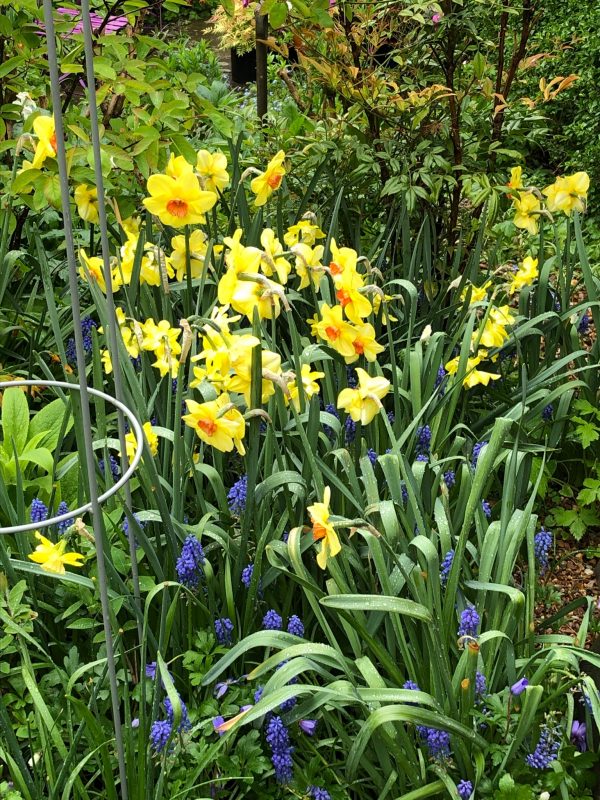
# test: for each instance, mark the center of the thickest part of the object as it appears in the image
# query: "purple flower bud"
(308, 726)
(519, 687)
(217, 721)
(579, 735)
(221, 689)
(135, 723)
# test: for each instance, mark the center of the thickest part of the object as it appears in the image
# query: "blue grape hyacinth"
(469, 622)
(278, 739)
(445, 568)
(190, 562)
(542, 544)
(477, 448)
(39, 511)
(465, 789)
(272, 621)
(237, 496)
(546, 749)
(224, 630)
(295, 626)
(317, 793)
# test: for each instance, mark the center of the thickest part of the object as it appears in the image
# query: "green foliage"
(388, 607)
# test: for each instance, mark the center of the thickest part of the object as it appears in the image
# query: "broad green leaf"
(373, 602)
(15, 420)
(49, 420)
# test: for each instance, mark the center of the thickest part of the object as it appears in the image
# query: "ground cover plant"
(324, 577)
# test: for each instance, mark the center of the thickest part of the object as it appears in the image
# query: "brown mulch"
(574, 575)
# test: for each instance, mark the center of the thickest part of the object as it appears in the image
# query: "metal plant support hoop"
(139, 436)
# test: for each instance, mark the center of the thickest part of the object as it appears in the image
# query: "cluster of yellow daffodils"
(158, 338)
(343, 327)
(566, 194)
(492, 333)
(156, 267)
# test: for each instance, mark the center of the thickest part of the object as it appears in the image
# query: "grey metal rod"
(98, 522)
(113, 327)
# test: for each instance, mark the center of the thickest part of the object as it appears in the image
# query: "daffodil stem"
(187, 298)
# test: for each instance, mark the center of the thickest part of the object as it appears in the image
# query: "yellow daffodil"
(527, 207)
(106, 362)
(241, 380)
(45, 130)
(272, 262)
(216, 424)
(525, 275)
(161, 339)
(334, 330)
(503, 315)
(303, 231)
(473, 376)
(493, 334)
(149, 435)
(155, 266)
(377, 301)
(516, 180)
(308, 264)
(356, 306)
(568, 194)
(251, 294)
(86, 200)
(364, 402)
(269, 181)
(343, 260)
(323, 530)
(309, 384)
(52, 557)
(178, 166)
(197, 243)
(178, 200)
(238, 259)
(95, 269)
(364, 344)
(478, 293)
(212, 171)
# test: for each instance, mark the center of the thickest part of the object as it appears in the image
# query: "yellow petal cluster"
(149, 435)
(526, 274)
(473, 376)
(323, 531)
(176, 197)
(568, 194)
(364, 402)
(217, 423)
(86, 200)
(52, 557)
(269, 181)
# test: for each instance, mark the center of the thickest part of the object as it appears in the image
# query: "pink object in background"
(114, 23)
